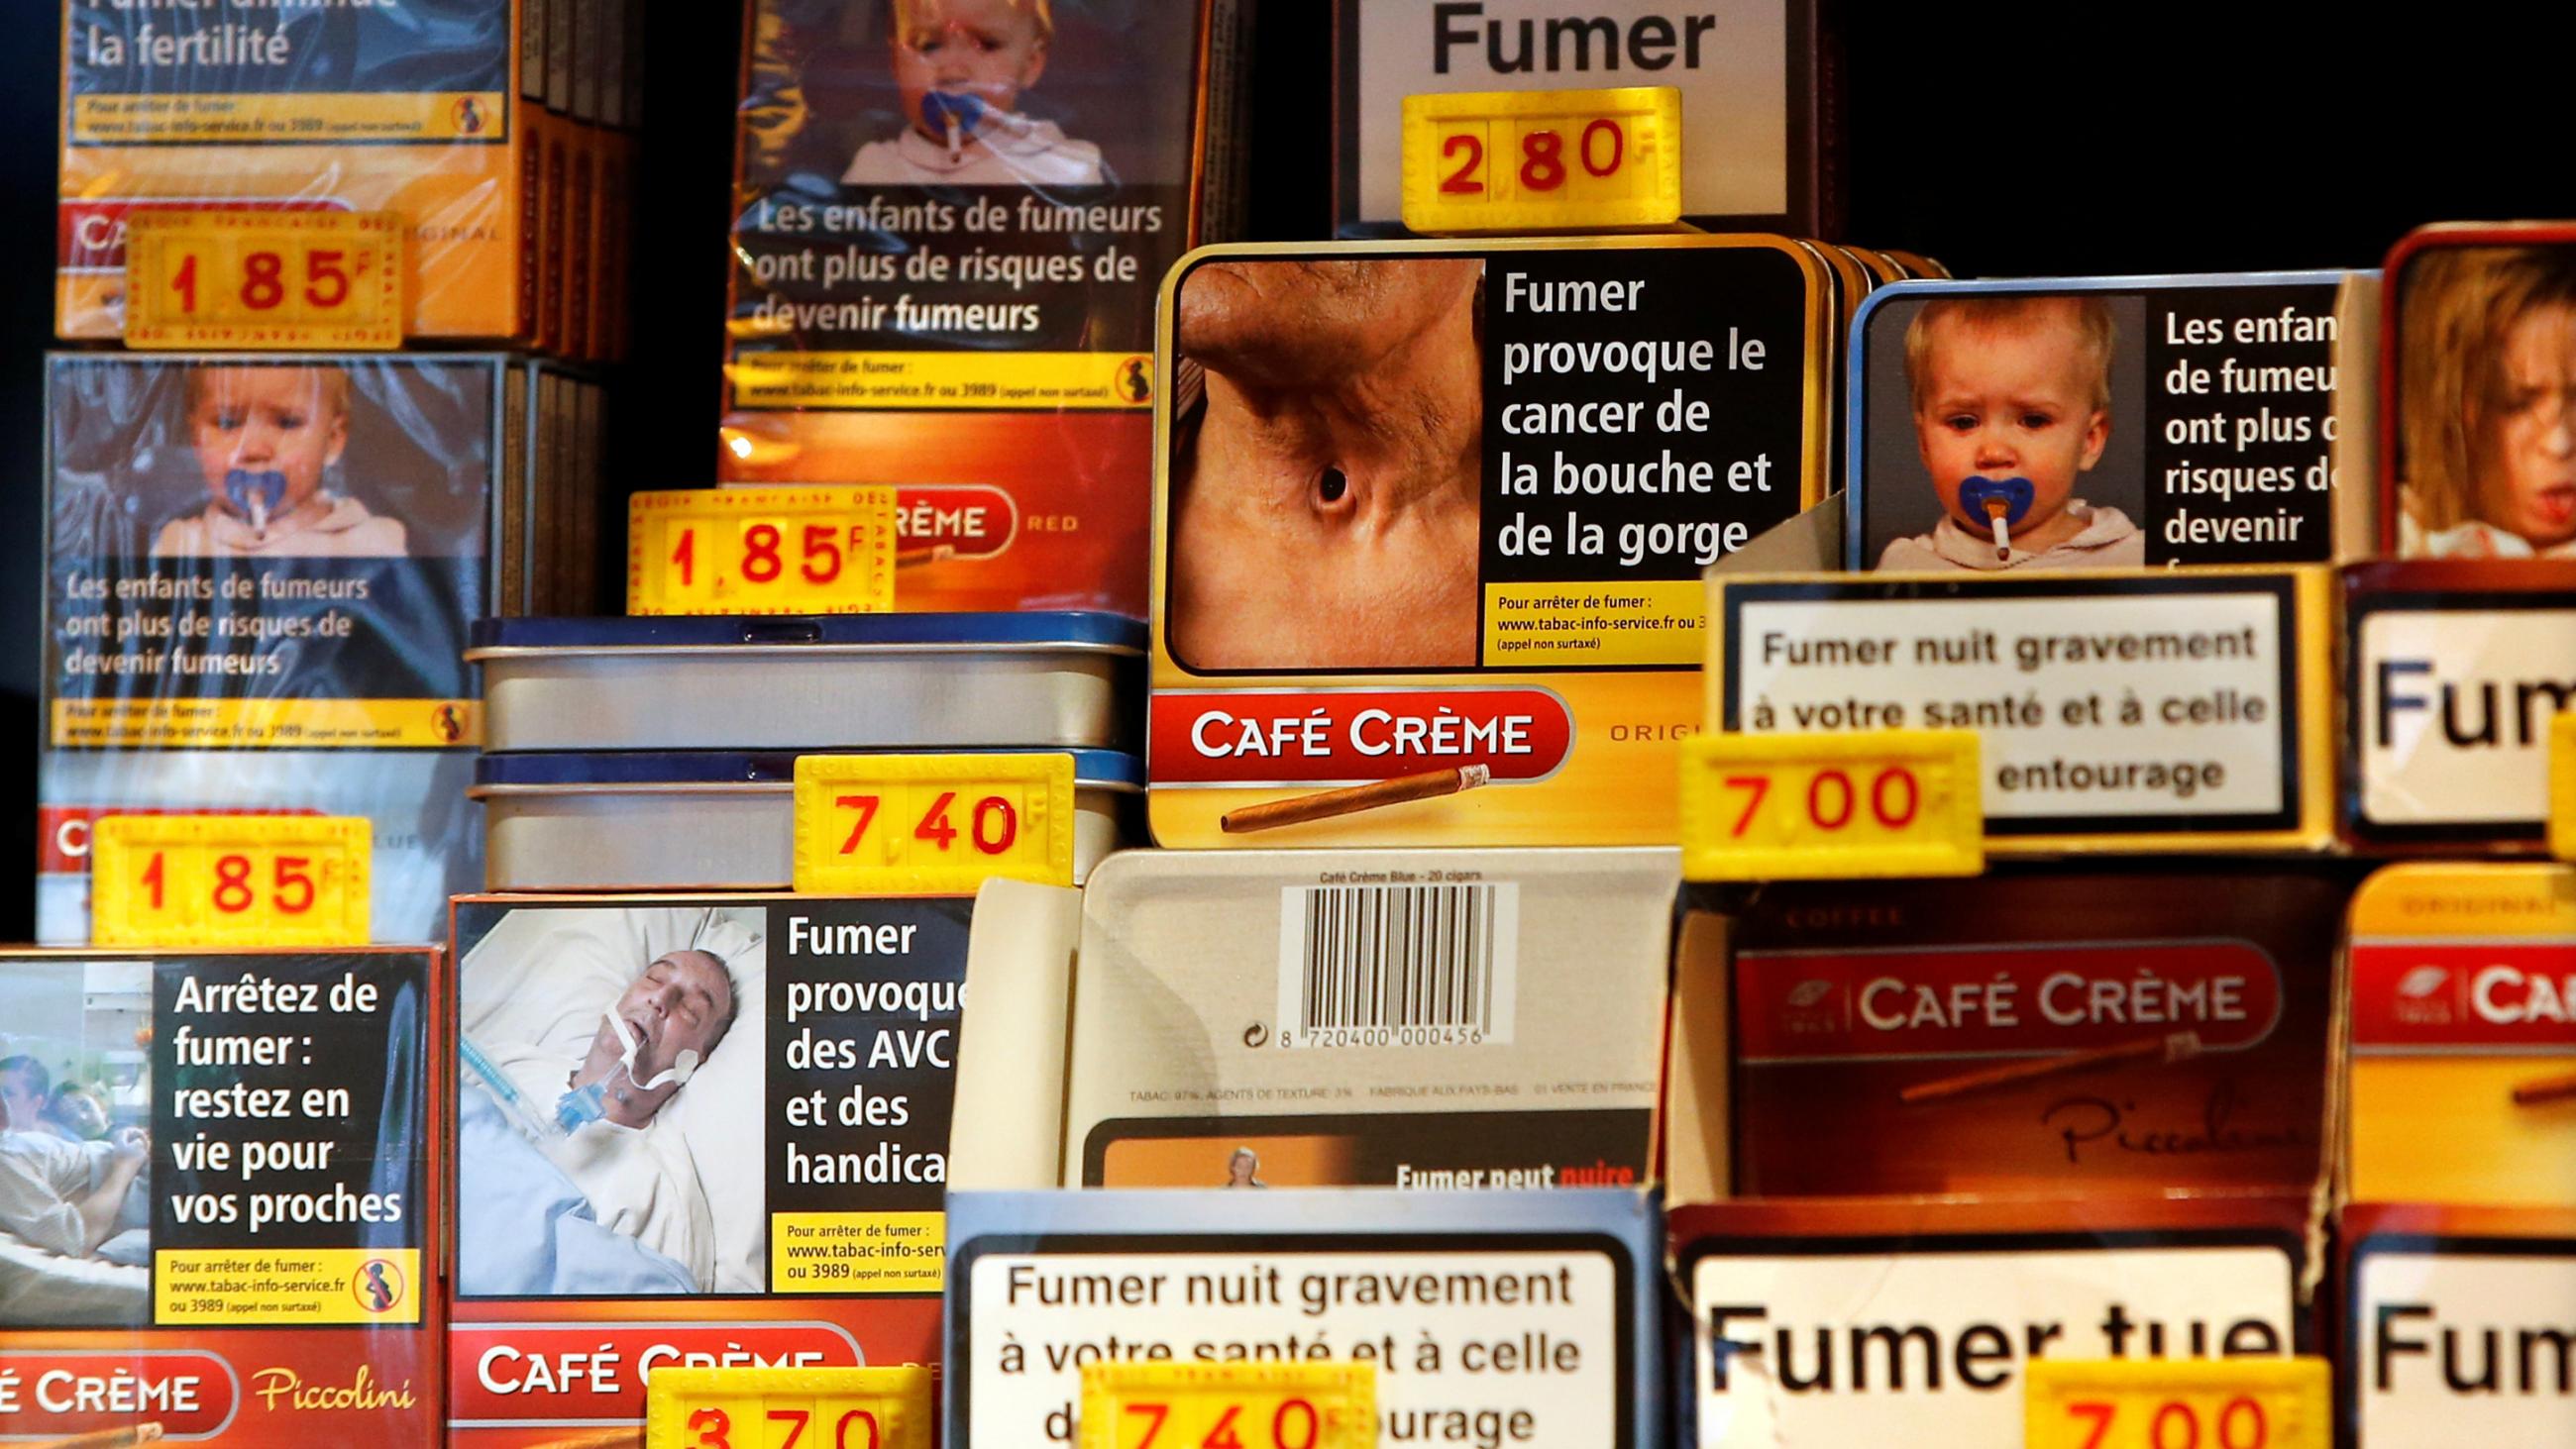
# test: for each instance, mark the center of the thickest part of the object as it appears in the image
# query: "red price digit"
(818, 543)
(1279, 1425)
(995, 807)
(686, 555)
(1756, 787)
(760, 560)
(1221, 1435)
(1816, 796)
(711, 1426)
(232, 884)
(934, 826)
(2257, 1432)
(1542, 161)
(866, 805)
(795, 1421)
(320, 267)
(263, 280)
(2174, 1414)
(1618, 146)
(1160, 1413)
(841, 1431)
(152, 878)
(2100, 1414)
(291, 876)
(1461, 180)
(185, 283)
(1893, 817)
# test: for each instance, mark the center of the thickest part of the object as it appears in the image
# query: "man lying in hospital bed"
(609, 1104)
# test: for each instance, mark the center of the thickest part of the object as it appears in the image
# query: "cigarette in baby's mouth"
(2546, 1090)
(1429, 785)
(956, 140)
(1995, 510)
(2180, 1046)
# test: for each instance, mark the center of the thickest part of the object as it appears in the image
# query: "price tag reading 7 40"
(1128, 1405)
(787, 1408)
(229, 880)
(931, 825)
(329, 280)
(1524, 161)
(761, 551)
(2233, 1403)
(1831, 806)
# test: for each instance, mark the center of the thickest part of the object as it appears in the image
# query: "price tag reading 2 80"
(1129, 1405)
(1524, 161)
(230, 880)
(931, 824)
(2230, 1403)
(330, 280)
(1831, 806)
(761, 551)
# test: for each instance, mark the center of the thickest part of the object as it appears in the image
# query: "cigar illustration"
(2544, 1091)
(2181, 1046)
(928, 553)
(149, 1433)
(611, 1439)
(1996, 508)
(1351, 799)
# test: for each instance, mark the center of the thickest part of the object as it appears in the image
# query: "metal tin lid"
(1092, 769)
(1067, 629)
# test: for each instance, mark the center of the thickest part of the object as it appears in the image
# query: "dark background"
(2005, 140)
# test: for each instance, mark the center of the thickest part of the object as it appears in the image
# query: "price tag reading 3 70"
(2226, 1403)
(931, 825)
(761, 551)
(230, 880)
(787, 1408)
(1831, 806)
(1522, 161)
(326, 280)
(1161, 1405)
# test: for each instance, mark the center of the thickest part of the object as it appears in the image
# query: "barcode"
(1397, 965)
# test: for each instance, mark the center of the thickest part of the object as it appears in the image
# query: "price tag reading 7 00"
(1127, 1405)
(1831, 806)
(931, 824)
(761, 551)
(1523, 161)
(2234, 1403)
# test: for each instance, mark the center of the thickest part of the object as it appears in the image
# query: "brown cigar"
(1429, 785)
(109, 1438)
(2547, 1089)
(612, 1439)
(928, 553)
(2179, 1047)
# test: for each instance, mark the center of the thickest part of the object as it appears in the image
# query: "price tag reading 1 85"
(327, 280)
(787, 1408)
(1831, 806)
(761, 551)
(931, 824)
(230, 880)
(1524, 161)
(2232, 1403)
(1129, 1405)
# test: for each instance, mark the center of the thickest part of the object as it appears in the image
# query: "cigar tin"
(873, 681)
(720, 820)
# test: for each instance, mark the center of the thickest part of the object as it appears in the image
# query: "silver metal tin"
(878, 681)
(711, 821)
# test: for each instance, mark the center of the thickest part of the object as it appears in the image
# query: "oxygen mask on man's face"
(584, 1105)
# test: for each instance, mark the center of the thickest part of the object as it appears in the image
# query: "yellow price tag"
(1524, 161)
(229, 880)
(2562, 785)
(2227, 1403)
(1830, 806)
(1129, 1405)
(931, 825)
(787, 1408)
(761, 551)
(324, 280)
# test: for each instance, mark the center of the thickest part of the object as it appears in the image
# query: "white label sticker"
(1824, 1351)
(2453, 718)
(2091, 709)
(1728, 58)
(2458, 1348)
(1473, 1347)
(1398, 965)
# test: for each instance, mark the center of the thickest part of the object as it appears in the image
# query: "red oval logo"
(60, 1394)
